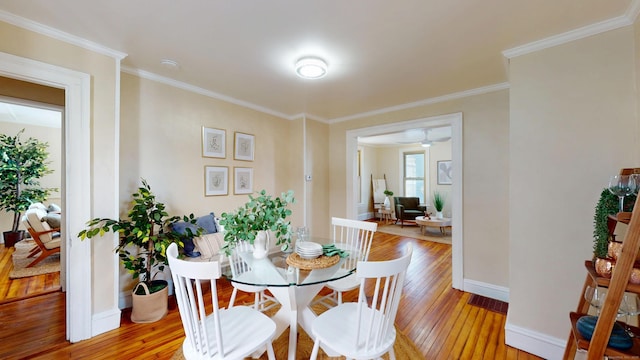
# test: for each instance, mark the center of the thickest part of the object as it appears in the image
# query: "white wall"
(440, 151)
(572, 124)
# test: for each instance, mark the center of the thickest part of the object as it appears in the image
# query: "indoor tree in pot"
(22, 163)
(251, 221)
(144, 239)
(438, 203)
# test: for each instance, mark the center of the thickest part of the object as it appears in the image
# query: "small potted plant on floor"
(22, 163)
(144, 238)
(438, 203)
(251, 221)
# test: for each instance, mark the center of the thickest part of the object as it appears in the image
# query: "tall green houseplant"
(144, 237)
(22, 164)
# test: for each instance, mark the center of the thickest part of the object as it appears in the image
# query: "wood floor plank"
(436, 317)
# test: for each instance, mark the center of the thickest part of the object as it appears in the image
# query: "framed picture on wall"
(214, 143)
(445, 176)
(216, 180)
(244, 146)
(243, 180)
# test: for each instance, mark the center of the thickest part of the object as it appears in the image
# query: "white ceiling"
(381, 53)
(408, 137)
(30, 115)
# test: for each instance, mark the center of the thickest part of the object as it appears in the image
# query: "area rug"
(20, 261)
(413, 231)
(404, 348)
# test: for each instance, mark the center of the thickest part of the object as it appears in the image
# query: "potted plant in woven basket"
(144, 239)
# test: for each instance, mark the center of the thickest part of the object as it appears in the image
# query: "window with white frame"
(414, 174)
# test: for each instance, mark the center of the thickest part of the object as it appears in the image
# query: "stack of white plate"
(308, 249)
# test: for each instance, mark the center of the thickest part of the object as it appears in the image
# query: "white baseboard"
(365, 216)
(105, 321)
(534, 342)
(488, 290)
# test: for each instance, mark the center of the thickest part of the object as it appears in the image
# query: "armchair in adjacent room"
(408, 208)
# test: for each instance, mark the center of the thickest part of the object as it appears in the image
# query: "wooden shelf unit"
(618, 284)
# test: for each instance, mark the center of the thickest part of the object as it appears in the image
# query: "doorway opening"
(76, 175)
(43, 122)
(455, 122)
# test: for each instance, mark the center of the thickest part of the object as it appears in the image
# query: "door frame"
(455, 121)
(76, 254)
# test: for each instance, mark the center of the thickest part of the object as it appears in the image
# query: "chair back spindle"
(376, 317)
(367, 328)
(205, 325)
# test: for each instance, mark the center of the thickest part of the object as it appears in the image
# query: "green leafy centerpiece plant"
(144, 239)
(22, 163)
(251, 221)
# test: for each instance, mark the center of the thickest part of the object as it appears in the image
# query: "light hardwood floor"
(436, 317)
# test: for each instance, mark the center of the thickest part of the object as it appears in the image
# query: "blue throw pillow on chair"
(208, 225)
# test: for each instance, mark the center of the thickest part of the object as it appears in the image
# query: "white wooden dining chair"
(262, 301)
(213, 333)
(367, 328)
(355, 237)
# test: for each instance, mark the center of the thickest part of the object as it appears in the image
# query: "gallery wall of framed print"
(216, 180)
(445, 176)
(214, 143)
(244, 146)
(242, 180)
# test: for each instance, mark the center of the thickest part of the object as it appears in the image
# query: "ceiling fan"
(426, 139)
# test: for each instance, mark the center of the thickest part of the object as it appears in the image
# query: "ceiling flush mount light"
(311, 68)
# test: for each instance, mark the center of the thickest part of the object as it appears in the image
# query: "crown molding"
(633, 10)
(439, 99)
(198, 90)
(181, 85)
(59, 35)
(607, 25)
(310, 117)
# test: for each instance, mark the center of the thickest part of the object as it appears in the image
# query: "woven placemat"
(320, 262)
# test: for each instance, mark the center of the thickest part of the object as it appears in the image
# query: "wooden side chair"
(47, 243)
